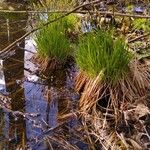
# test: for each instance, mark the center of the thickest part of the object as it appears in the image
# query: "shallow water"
(35, 113)
(30, 107)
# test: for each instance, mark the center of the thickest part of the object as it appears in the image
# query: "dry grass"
(110, 80)
(133, 86)
(47, 63)
(108, 125)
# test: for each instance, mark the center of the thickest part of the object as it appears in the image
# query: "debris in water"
(33, 78)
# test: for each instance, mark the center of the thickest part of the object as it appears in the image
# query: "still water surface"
(31, 106)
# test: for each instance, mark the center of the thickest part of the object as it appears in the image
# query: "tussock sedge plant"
(98, 53)
(109, 79)
(53, 44)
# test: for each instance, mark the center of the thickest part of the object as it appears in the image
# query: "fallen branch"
(26, 50)
(9, 47)
(82, 12)
(139, 37)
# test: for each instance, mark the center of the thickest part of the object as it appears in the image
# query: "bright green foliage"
(71, 21)
(68, 22)
(141, 23)
(99, 53)
(52, 41)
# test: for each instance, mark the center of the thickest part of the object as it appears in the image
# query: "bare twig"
(27, 50)
(67, 11)
(139, 37)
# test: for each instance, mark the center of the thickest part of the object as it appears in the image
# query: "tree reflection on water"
(37, 112)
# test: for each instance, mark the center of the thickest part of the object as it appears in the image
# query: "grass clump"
(98, 52)
(110, 79)
(53, 43)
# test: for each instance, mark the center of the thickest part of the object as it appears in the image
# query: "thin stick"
(139, 37)
(66, 11)
(38, 28)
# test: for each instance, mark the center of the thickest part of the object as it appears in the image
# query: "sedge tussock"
(110, 79)
(54, 45)
(90, 94)
(80, 80)
(47, 63)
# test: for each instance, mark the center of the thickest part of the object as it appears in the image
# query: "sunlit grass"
(110, 78)
(53, 43)
(98, 52)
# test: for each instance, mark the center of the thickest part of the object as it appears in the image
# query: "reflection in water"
(48, 103)
(13, 132)
(2, 77)
(41, 107)
(51, 110)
